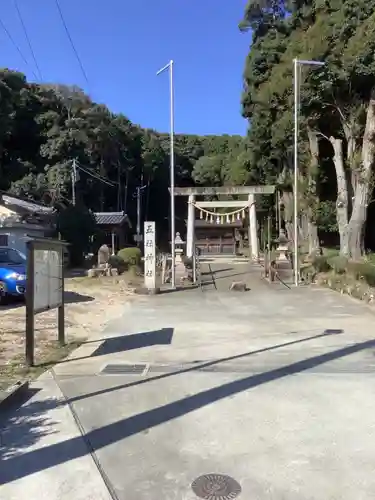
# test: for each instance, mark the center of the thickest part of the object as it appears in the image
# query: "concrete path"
(272, 387)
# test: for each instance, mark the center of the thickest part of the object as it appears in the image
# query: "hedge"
(361, 271)
(131, 256)
(118, 263)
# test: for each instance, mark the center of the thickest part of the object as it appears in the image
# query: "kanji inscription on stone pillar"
(150, 255)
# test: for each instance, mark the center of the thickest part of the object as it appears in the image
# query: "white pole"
(296, 97)
(173, 231)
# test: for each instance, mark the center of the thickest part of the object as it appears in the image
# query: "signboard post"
(44, 287)
(150, 256)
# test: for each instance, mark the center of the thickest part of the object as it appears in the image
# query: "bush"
(338, 263)
(131, 256)
(362, 271)
(118, 263)
(307, 273)
(320, 264)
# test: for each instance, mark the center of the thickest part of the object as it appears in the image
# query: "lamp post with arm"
(169, 67)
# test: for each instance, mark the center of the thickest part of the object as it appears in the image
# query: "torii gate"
(238, 205)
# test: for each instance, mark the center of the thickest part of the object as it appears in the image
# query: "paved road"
(273, 387)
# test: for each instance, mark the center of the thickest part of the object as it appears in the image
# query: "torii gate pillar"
(253, 229)
(190, 227)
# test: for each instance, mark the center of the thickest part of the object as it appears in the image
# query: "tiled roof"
(29, 206)
(110, 218)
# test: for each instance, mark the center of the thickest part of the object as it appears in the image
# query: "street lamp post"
(169, 67)
(296, 64)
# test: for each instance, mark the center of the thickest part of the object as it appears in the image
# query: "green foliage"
(340, 266)
(326, 216)
(338, 263)
(44, 127)
(118, 263)
(131, 256)
(77, 226)
(333, 98)
(362, 271)
(320, 264)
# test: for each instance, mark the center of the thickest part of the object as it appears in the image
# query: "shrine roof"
(111, 218)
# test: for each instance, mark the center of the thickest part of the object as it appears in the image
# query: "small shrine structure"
(216, 229)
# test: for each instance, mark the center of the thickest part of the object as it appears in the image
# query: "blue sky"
(122, 43)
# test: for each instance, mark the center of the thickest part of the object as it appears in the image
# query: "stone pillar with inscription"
(150, 257)
(190, 227)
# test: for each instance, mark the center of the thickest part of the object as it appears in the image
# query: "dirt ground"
(90, 303)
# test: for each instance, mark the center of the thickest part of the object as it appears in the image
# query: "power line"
(71, 41)
(94, 175)
(27, 38)
(16, 46)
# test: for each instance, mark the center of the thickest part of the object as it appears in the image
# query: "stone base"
(96, 272)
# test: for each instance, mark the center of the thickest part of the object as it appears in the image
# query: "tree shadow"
(24, 426)
(17, 466)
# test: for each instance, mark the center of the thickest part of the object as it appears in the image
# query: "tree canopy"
(45, 127)
(336, 109)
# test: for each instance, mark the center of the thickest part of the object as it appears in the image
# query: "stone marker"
(150, 256)
(103, 256)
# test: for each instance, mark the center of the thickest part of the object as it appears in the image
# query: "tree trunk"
(313, 237)
(342, 196)
(312, 228)
(363, 186)
(287, 202)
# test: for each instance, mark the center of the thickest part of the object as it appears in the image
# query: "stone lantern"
(283, 246)
(179, 250)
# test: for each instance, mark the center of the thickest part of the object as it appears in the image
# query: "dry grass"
(90, 303)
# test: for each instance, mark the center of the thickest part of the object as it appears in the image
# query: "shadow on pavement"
(73, 297)
(124, 343)
(206, 364)
(137, 341)
(31, 462)
(22, 427)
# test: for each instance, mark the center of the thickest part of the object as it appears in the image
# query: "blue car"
(12, 273)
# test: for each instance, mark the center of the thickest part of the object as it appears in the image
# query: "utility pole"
(138, 216)
(74, 180)
(169, 67)
(138, 195)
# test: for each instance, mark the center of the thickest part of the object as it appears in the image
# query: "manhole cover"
(216, 487)
(120, 369)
